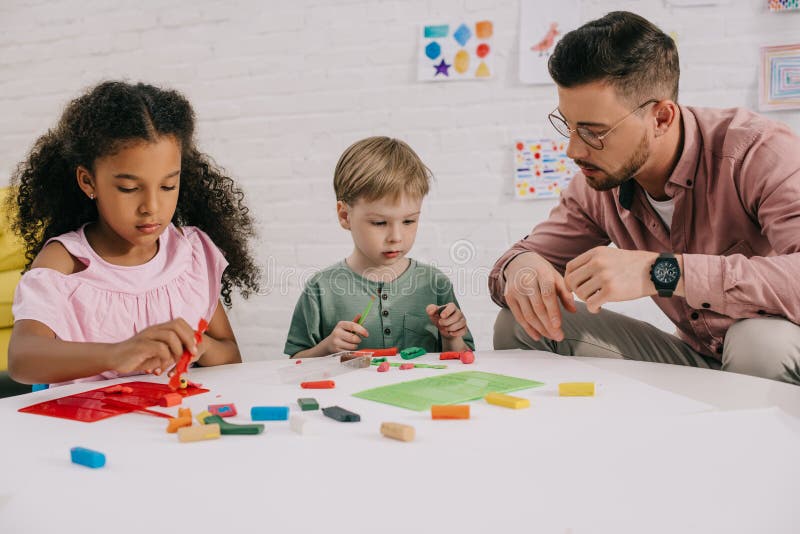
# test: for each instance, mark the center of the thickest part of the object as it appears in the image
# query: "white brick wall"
(281, 88)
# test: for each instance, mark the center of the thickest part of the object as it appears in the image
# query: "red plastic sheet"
(90, 406)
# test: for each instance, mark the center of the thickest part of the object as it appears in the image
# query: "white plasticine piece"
(299, 424)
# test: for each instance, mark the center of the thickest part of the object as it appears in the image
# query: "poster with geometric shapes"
(541, 168)
(779, 83)
(460, 51)
(542, 23)
(783, 5)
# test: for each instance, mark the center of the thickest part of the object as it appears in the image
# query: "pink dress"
(108, 303)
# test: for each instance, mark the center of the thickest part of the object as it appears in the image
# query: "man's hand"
(605, 274)
(533, 291)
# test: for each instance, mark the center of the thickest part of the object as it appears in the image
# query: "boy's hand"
(450, 321)
(155, 349)
(346, 336)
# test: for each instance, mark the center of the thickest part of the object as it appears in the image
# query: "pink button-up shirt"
(736, 191)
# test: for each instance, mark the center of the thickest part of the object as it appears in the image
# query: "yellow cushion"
(5, 335)
(8, 281)
(12, 249)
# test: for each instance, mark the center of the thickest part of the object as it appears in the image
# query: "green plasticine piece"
(366, 311)
(412, 352)
(307, 404)
(229, 428)
(417, 365)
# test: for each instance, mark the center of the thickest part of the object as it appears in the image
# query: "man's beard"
(628, 170)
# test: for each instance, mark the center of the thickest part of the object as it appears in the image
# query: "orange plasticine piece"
(184, 419)
(455, 411)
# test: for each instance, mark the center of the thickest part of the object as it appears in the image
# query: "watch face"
(665, 272)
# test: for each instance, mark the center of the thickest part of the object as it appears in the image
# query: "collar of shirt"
(685, 172)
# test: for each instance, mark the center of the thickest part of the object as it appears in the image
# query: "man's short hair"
(623, 49)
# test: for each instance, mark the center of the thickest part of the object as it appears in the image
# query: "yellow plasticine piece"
(198, 433)
(576, 389)
(508, 401)
(398, 431)
(201, 417)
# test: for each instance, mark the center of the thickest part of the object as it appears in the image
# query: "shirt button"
(688, 182)
(387, 331)
(385, 313)
(706, 305)
(384, 296)
(695, 316)
(761, 312)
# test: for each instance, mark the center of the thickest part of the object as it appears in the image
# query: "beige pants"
(766, 347)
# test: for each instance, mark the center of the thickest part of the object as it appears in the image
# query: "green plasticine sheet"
(451, 388)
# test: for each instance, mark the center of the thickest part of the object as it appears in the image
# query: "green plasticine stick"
(366, 311)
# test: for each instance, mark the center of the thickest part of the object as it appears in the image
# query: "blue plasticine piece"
(87, 457)
(269, 413)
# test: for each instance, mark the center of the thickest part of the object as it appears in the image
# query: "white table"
(659, 449)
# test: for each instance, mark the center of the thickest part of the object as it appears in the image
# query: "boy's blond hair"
(379, 167)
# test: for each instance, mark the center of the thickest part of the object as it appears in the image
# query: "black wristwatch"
(665, 274)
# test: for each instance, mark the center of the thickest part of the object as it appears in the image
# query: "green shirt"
(397, 318)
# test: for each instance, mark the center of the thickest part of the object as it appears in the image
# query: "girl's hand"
(155, 349)
(450, 321)
(346, 336)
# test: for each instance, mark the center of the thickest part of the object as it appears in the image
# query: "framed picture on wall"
(779, 82)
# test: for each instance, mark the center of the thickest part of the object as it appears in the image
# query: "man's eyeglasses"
(589, 137)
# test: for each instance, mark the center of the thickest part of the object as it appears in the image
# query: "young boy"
(379, 184)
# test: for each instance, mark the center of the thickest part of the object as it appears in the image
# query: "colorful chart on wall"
(783, 5)
(779, 83)
(542, 23)
(541, 168)
(459, 51)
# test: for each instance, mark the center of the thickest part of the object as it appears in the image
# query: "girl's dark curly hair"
(48, 202)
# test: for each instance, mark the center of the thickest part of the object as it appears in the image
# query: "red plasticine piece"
(119, 388)
(321, 384)
(383, 367)
(222, 410)
(170, 399)
(377, 353)
(467, 356)
(186, 357)
(404, 366)
(450, 356)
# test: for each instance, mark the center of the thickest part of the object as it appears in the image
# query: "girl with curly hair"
(132, 236)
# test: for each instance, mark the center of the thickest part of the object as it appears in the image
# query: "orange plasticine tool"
(183, 364)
